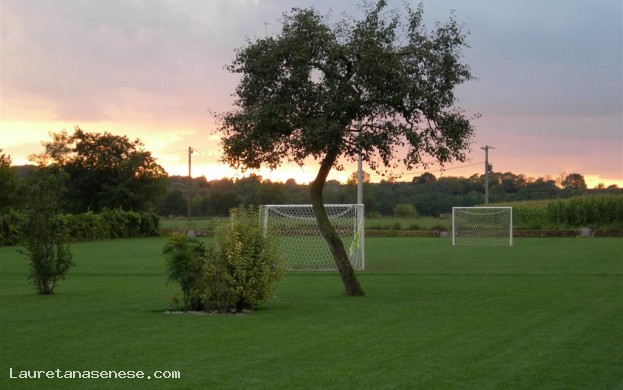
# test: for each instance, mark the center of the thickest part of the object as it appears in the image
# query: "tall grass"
(603, 211)
(594, 211)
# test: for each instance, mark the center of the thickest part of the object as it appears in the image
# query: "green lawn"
(544, 314)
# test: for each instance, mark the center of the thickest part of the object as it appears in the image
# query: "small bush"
(185, 258)
(49, 255)
(405, 210)
(11, 226)
(243, 265)
(238, 272)
(46, 240)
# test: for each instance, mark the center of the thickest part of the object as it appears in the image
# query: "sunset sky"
(549, 88)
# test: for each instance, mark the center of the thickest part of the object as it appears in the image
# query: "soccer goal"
(482, 226)
(301, 242)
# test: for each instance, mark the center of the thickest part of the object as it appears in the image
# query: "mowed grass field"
(544, 314)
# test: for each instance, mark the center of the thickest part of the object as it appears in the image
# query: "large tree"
(382, 86)
(105, 171)
(574, 181)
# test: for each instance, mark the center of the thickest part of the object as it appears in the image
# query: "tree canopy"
(382, 86)
(105, 171)
(303, 93)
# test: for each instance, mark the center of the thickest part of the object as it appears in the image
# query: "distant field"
(380, 223)
(546, 313)
(597, 212)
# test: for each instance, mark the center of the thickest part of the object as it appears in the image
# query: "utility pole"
(359, 171)
(486, 149)
(190, 185)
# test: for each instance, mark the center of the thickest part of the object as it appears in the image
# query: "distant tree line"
(430, 195)
(101, 171)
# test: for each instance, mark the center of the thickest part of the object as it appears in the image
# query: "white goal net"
(301, 242)
(482, 226)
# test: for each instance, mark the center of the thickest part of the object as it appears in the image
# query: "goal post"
(301, 243)
(482, 226)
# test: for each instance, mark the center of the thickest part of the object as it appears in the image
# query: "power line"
(206, 154)
(442, 169)
(528, 159)
(175, 151)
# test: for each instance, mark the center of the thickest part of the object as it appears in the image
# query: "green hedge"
(11, 225)
(88, 226)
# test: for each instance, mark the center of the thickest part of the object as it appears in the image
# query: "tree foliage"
(574, 181)
(382, 86)
(8, 182)
(302, 93)
(105, 171)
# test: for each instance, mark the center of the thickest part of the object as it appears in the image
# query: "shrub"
(238, 272)
(11, 226)
(185, 258)
(115, 223)
(48, 251)
(45, 239)
(243, 264)
(87, 226)
(150, 224)
(405, 210)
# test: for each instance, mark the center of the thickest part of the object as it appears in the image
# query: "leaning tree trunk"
(336, 246)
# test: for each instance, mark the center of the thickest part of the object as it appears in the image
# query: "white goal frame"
(488, 226)
(301, 242)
